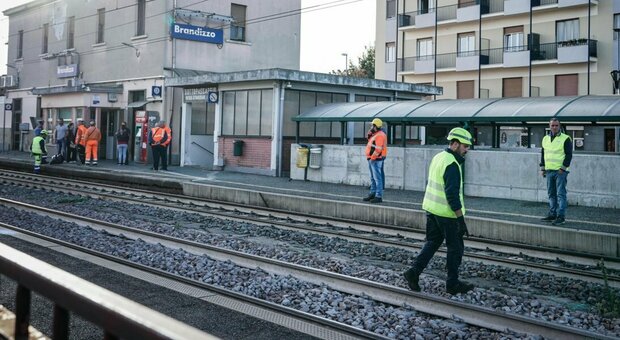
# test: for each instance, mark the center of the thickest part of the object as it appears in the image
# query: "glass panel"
(291, 109)
(307, 100)
(241, 112)
(425, 48)
(79, 113)
(323, 98)
(254, 107)
(390, 52)
(339, 98)
(266, 113)
(228, 113)
(466, 45)
(513, 42)
(616, 25)
(65, 114)
(567, 30)
(199, 118)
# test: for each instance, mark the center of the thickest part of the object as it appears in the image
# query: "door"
(610, 140)
(108, 128)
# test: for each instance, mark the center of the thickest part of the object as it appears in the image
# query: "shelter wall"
(485, 173)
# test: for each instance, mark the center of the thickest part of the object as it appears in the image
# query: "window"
(513, 39)
(20, 44)
(141, 22)
(567, 30)
(425, 49)
(70, 32)
(137, 96)
(466, 44)
(566, 85)
(465, 89)
(100, 25)
(247, 113)
(616, 25)
(426, 6)
(390, 52)
(390, 9)
(296, 102)
(237, 28)
(203, 118)
(44, 44)
(512, 87)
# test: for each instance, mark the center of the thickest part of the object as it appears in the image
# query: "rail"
(202, 147)
(119, 317)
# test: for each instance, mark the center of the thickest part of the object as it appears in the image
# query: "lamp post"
(346, 63)
(615, 74)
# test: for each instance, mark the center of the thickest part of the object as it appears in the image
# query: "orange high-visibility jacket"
(169, 135)
(92, 134)
(159, 136)
(377, 146)
(80, 136)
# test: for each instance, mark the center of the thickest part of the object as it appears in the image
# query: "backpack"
(57, 159)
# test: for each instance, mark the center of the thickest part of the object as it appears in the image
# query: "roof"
(500, 110)
(186, 79)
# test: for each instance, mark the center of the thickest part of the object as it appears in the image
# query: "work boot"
(549, 218)
(376, 200)
(368, 198)
(412, 280)
(460, 287)
(559, 221)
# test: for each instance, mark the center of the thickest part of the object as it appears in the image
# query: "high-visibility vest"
(554, 151)
(377, 146)
(435, 200)
(157, 134)
(36, 145)
(80, 137)
(168, 135)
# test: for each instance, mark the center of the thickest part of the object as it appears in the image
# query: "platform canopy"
(529, 110)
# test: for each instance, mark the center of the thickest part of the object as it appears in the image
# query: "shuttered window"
(465, 89)
(566, 85)
(512, 87)
(237, 28)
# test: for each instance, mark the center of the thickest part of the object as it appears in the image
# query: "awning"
(137, 104)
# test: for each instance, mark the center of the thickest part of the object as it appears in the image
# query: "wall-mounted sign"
(96, 100)
(197, 33)
(8, 107)
(112, 98)
(212, 97)
(197, 94)
(156, 91)
(66, 71)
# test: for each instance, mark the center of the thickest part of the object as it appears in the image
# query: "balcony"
(468, 61)
(576, 51)
(424, 64)
(472, 10)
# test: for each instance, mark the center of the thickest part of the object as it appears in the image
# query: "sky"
(329, 28)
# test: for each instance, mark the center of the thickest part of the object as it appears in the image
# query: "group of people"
(81, 144)
(443, 198)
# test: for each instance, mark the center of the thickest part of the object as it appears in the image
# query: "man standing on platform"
(80, 141)
(92, 137)
(445, 213)
(555, 158)
(376, 150)
(60, 134)
(159, 138)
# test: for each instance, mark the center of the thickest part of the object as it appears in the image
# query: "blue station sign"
(197, 33)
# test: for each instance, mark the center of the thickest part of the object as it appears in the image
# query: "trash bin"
(302, 157)
(237, 147)
(315, 156)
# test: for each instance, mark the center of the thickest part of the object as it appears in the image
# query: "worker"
(159, 140)
(92, 137)
(445, 213)
(556, 155)
(376, 150)
(38, 150)
(80, 141)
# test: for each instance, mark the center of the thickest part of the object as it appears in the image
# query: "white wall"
(486, 173)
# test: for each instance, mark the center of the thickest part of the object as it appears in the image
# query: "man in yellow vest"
(38, 150)
(376, 150)
(445, 211)
(555, 158)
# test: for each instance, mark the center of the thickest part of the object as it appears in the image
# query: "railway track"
(480, 250)
(437, 306)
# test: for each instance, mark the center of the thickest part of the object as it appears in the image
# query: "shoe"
(559, 221)
(460, 287)
(548, 219)
(412, 280)
(368, 198)
(376, 200)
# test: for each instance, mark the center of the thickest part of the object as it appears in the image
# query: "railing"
(118, 316)
(446, 60)
(546, 2)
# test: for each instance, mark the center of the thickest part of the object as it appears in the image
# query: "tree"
(365, 67)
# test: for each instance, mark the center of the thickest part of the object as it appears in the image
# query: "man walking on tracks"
(555, 158)
(445, 208)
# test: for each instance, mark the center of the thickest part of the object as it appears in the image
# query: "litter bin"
(237, 147)
(315, 156)
(302, 156)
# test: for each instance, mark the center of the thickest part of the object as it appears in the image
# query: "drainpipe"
(480, 50)
(529, 47)
(589, 42)
(279, 132)
(435, 52)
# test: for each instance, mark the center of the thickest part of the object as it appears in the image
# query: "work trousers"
(37, 163)
(92, 150)
(556, 190)
(437, 229)
(376, 177)
(159, 152)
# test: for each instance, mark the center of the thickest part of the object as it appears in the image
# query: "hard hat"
(461, 135)
(43, 133)
(377, 122)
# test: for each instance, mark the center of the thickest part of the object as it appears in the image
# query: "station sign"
(197, 33)
(66, 71)
(198, 94)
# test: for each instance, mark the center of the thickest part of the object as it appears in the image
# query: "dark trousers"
(71, 153)
(81, 152)
(159, 152)
(437, 229)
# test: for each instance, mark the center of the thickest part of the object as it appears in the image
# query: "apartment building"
(106, 60)
(499, 48)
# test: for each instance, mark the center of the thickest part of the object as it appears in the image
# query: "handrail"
(202, 147)
(118, 316)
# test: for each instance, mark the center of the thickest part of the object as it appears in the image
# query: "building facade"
(106, 60)
(504, 48)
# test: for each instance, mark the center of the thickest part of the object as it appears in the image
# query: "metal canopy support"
(297, 132)
(343, 133)
(403, 134)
